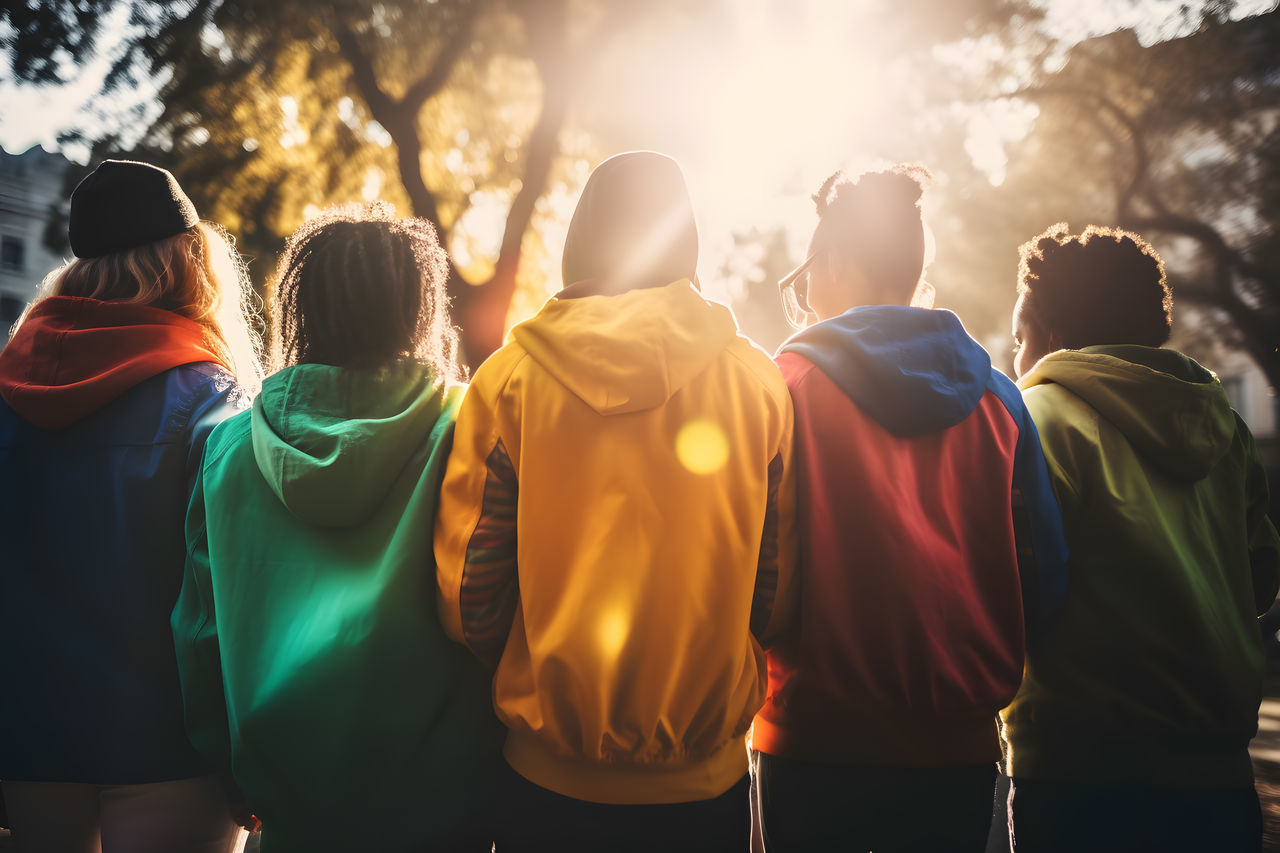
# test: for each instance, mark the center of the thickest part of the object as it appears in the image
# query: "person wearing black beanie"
(113, 379)
(124, 204)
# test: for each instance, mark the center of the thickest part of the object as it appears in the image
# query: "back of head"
(138, 239)
(359, 287)
(874, 223)
(633, 225)
(1105, 286)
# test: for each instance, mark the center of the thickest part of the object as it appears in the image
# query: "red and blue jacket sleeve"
(1037, 519)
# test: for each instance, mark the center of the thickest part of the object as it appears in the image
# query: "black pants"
(1054, 816)
(808, 806)
(531, 818)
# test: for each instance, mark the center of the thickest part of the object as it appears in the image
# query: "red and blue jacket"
(931, 545)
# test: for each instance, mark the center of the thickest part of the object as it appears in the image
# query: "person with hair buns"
(931, 549)
(112, 381)
(314, 667)
(1131, 729)
(615, 536)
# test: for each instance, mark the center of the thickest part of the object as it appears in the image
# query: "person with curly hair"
(1131, 728)
(930, 547)
(130, 355)
(314, 667)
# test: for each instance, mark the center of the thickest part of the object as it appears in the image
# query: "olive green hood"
(1173, 411)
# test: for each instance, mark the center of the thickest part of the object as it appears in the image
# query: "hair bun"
(898, 188)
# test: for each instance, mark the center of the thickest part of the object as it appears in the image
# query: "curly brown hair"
(875, 221)
(1103, 286)
(359, 287)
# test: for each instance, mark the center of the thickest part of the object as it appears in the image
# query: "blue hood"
(913, 370)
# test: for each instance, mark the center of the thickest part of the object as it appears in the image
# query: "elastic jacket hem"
(1053, 754)
(626, 784)
(898, 740)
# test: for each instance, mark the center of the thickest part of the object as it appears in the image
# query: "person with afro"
(1132, 725)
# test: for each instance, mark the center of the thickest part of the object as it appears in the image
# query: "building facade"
(32, 207)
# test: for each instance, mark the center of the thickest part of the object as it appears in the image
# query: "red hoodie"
(72, 356)
(917, 464)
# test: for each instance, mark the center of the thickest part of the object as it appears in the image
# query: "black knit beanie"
(123, 204)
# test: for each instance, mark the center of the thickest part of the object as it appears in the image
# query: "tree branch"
(484, 314)
(399, 121)
(1138, 182)
(451, 51)
(378, 101)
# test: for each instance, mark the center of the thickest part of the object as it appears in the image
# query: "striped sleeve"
(475, 528)
(489, 586)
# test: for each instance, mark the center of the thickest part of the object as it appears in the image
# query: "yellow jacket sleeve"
(475, 531)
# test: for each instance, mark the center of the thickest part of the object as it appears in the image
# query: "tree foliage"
(271, 108)
(481, 115)
(1177, 141)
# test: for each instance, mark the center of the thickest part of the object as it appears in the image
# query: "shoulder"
(1053, 406)
(232, 433)
(756, 363)
(495, 373)
(795, 368)
(205, 382)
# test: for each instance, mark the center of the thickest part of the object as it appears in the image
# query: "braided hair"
(874, 221)
(359, 287)
(1105, 286)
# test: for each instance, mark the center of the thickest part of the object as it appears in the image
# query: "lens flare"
(611, 631)
(702, 447)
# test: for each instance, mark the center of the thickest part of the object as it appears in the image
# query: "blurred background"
(486, 116)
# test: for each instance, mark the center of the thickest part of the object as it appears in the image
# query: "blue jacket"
(92, 545)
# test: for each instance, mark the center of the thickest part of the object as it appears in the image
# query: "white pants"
(183, 816)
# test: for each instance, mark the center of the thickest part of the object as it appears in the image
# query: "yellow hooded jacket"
(615, 529)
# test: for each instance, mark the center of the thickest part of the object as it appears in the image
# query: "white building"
(1245, 383)
(32, 201)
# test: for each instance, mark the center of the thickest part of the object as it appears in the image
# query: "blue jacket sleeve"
(1042, 545)
(195, 637)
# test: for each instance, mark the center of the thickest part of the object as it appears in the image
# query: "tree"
(412, 92)
(1177, 141)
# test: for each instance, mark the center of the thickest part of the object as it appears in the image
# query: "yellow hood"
(631, 352)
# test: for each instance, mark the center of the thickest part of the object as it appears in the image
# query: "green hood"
(1173, 411)
(331, 441)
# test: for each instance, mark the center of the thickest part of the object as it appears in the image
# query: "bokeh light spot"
(702, 447)
(611, 631)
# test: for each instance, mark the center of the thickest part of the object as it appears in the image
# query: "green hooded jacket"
(314, 668)
(1154, 673)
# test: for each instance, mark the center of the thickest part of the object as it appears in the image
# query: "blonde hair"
(196, 274)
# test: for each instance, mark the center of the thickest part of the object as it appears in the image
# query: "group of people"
(638, 586)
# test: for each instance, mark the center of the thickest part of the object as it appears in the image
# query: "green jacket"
(314, 668)
(1154, 673)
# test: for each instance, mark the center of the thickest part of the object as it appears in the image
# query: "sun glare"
(702, 447)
